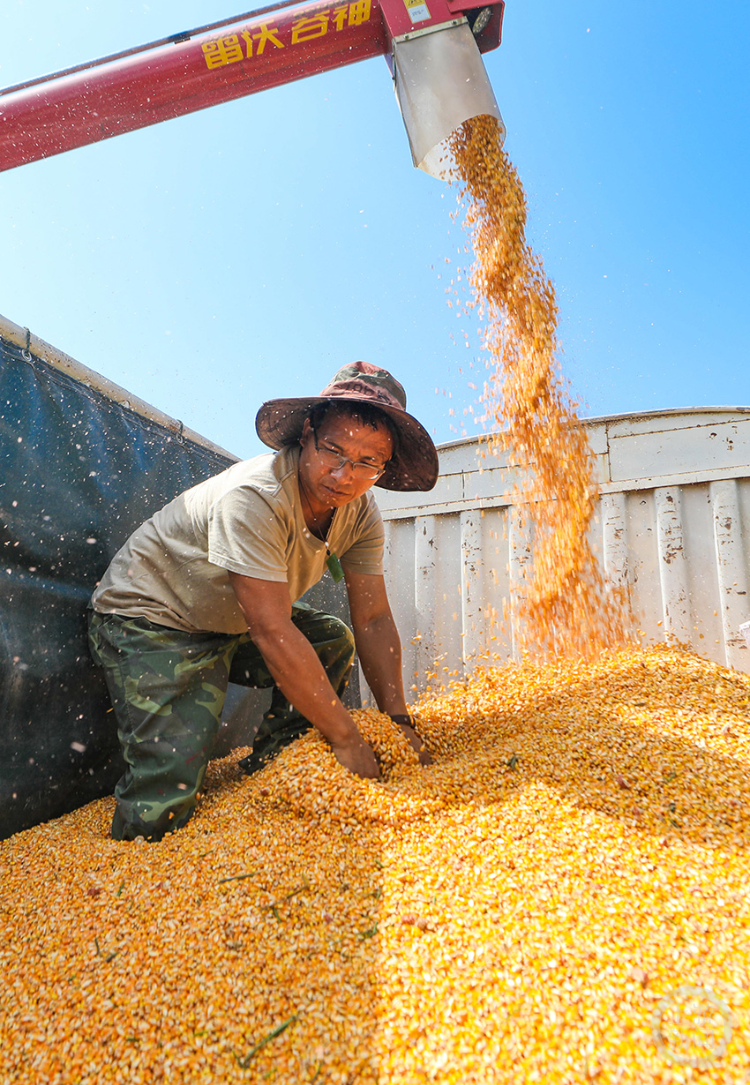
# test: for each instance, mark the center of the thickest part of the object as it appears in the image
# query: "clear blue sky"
(249, 250)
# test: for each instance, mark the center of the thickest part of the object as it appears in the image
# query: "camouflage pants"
(168, 689)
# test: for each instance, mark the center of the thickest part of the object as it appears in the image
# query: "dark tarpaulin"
(78, 473)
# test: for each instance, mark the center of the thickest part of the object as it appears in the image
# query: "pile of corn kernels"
(561, 897)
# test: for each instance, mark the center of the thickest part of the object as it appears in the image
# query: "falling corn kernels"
(561, 603)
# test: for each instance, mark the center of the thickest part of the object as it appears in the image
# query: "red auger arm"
(432, 47)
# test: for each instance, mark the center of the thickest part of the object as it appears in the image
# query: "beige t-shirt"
(174, 570)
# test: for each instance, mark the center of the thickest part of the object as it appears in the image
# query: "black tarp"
(78, 473)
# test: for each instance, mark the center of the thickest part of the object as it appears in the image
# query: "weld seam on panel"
(673, 578)
(519, 557)
(731, 569)
(472, 580)
(615, 538)
(425, 559)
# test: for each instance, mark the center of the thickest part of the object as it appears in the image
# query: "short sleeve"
(247, 536)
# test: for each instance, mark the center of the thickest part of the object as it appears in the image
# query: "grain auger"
(433, 49)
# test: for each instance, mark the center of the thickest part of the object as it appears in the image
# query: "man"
(205, 593)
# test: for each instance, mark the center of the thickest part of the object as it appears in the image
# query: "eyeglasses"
(335, 461)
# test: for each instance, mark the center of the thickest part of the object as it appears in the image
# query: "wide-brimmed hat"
(414, 464)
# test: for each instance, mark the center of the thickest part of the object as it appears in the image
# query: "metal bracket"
(429, 30)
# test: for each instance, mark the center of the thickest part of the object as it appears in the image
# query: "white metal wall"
(673, 525)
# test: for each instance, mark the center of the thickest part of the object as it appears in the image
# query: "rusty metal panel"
(674, 452)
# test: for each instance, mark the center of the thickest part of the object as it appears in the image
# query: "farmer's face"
(329, 485)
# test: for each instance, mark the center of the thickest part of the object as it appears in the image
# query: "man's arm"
(379, 649)
(297, 671)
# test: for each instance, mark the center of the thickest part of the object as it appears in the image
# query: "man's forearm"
(299, 674)
(297, 671)
(379, 649)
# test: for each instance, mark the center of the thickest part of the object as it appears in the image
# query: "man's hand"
(358, 757)
(379, 650)
(416, 743)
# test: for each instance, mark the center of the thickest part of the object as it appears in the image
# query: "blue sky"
(249, 250)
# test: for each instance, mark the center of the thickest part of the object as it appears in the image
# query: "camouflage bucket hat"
(414, 464)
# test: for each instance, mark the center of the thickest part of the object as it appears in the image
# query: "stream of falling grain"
(564, 605)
